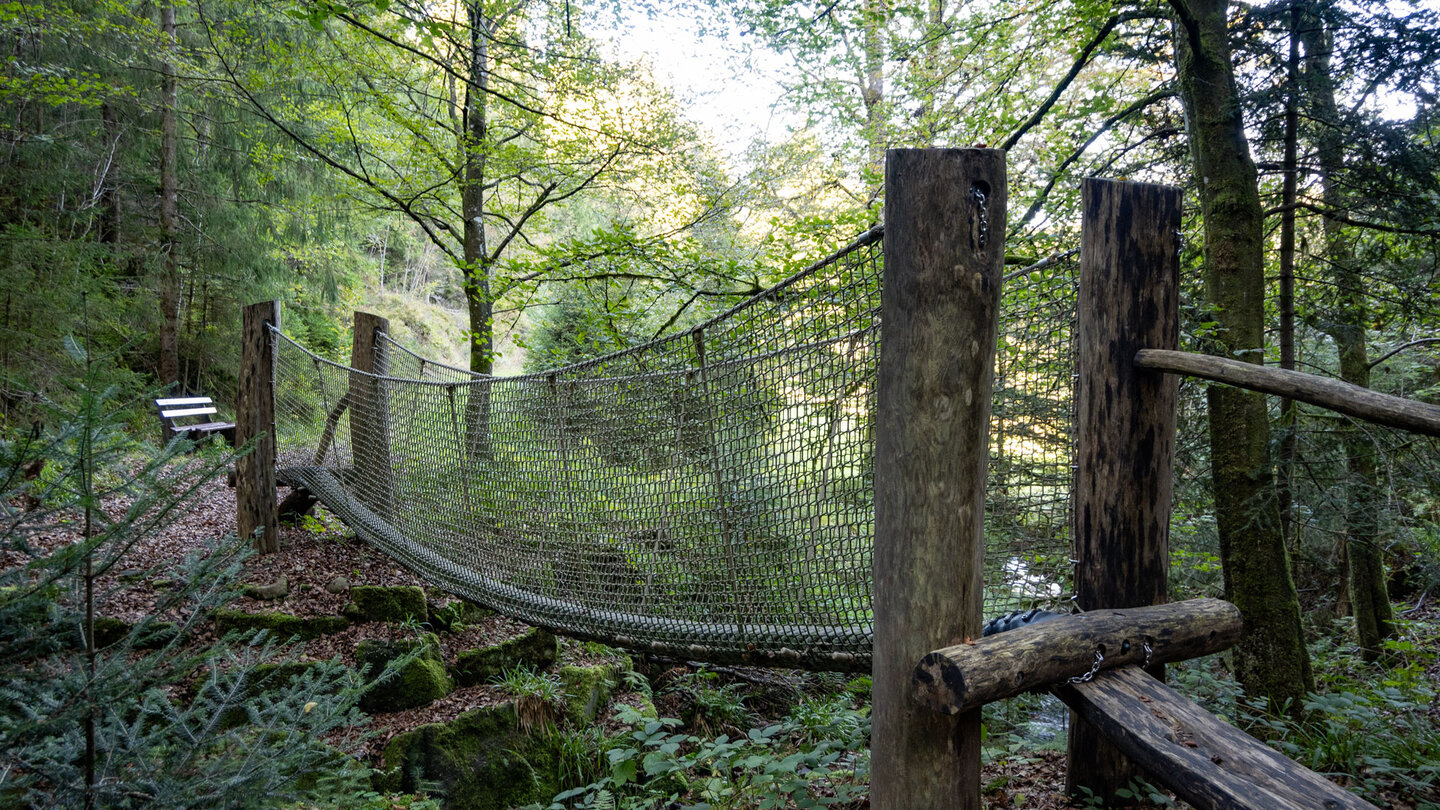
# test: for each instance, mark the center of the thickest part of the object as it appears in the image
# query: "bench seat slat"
(172, 401)
(211, 427)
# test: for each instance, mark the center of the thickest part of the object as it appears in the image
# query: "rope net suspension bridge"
(707, 495)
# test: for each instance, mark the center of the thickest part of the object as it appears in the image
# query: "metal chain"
(983, 231)
(1094, 668)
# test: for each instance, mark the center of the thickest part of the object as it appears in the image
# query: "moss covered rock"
(283, 625)
(399, 603)
(109, 630)
(480, 761)
(588, 689)
(417, 682)
(535, 648)
(453, 614)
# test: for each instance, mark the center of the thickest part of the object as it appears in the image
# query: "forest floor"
(316, 554)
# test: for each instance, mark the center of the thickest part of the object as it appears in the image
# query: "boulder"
(453, 615)
(536, 649)
(399, 603)
(588, 689)
(279, 589)
(419, 681)
(481, 760)
(282, 625)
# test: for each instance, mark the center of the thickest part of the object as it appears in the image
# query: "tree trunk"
(476, 268)
(872, 92)
(1288, 410)
(110, 188)
(1271, 661)
(169, 206)
(1361, 552)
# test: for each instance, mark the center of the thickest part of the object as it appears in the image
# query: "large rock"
(588, 689)
(418, 682)
(282, 625)
(535, 649)
(378, 603)
(454, 615)
(481, 760)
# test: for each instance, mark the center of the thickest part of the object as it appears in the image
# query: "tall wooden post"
(944, 253)
(1125, 424)
(255, 504)
(370, 416)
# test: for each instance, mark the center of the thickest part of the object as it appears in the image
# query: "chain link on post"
(1094, 668)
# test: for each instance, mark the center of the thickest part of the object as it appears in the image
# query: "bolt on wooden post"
(255, 503)
(944, 256)
(1125, 424)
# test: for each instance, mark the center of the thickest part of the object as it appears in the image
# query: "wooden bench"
(178, 415)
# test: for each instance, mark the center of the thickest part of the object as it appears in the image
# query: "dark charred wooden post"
(1125, 423)
(255, 504)
(370, 416)
(944, 253)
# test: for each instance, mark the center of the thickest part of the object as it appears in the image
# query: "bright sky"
(713, 83)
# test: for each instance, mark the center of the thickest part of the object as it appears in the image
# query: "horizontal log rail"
(968, 675)
(1339, 396)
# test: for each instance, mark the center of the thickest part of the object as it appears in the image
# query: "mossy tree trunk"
(1271, 660)
(169, 203)
(1347, 323)
(474, 144)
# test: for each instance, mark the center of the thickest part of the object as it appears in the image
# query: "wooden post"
(370, 417)
(255, 504)
(944, 252)
(1125, 424)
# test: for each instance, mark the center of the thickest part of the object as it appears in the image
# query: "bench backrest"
(172, 408)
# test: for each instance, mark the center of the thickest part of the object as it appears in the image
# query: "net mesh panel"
(708, 495)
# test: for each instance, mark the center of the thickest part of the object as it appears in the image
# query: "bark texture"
(1362, 550)
(944, 254)
(169, 206)
(1271, 660)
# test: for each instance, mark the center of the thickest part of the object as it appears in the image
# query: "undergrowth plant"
(799, 762)
(95, 712)
(1375, 725)
(538, 697)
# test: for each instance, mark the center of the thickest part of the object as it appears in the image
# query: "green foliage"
(157, 717)
(538, 696)
(1375, 726)
(716, 706)
(783, 765)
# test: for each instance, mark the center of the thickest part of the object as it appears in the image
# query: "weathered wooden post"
(370, 416)
(255, 504)
(1125, 424)
(944, 253)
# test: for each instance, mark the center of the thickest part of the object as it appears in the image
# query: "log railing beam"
(966, 676)
(1336, 395)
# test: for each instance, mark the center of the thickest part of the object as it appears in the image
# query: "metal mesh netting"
(707, 495)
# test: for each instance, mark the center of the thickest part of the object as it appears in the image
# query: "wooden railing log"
(1342, 397)
(966, 676)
